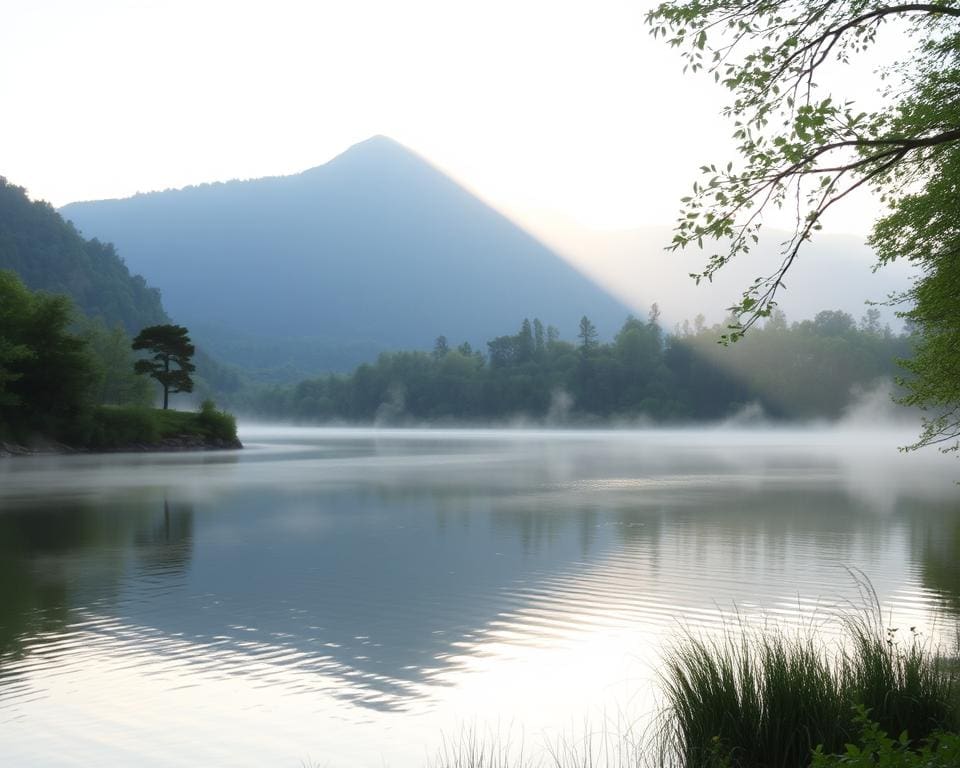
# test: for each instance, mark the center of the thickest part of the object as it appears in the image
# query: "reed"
(752, 699)
(473, 749)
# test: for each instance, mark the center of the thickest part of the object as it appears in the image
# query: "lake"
(360, 597)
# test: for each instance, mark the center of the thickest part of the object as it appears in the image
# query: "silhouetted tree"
(539, 344)
(525, 343)
(170, 346)
(587, 335)
(654, 316)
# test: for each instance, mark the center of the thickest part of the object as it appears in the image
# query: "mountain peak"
(376, 154)
(379, 145)
(379, 140)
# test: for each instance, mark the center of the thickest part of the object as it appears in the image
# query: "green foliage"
(215, 423)
(768, 699)
(803, 370)
(80, 389)
(924, 229)
(805, 149)
(45, 371)
(116, 381)
(797, 145)
(875, 749)
(15, 303)
(111, 427)
(48, 254)
(764, 700)
(208, 423)
(170, 358)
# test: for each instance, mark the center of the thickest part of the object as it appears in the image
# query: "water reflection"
(937, 547)
(164, 544)
(56, 557)
(388, 580)
(30, 601)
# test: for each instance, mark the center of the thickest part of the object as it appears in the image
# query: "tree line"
(807, 369)
(58, 369)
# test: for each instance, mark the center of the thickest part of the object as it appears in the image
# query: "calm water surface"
(352, 597)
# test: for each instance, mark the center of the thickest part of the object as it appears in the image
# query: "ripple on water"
(349, 599)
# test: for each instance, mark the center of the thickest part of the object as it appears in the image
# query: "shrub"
(876, 749)
(216, 424)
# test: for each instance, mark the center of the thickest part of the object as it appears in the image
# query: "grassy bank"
(116, 428)
(770, 700)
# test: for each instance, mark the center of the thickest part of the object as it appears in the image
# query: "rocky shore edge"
(171, 444)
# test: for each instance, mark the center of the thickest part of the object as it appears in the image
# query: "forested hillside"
(49, 255)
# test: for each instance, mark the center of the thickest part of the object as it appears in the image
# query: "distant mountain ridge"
(376, 249)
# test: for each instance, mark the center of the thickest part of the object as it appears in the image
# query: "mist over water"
(353, 595)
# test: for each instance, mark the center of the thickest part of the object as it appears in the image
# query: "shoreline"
(173, 444)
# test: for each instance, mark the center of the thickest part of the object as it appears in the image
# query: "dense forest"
(808, 369)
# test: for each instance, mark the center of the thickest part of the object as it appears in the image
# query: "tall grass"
(614, 747)
(477, 750)
(752, 699)
(768, 698)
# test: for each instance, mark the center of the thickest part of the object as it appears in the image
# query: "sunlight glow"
(567, 108)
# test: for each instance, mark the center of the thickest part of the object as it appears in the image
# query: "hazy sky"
(560, 107)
